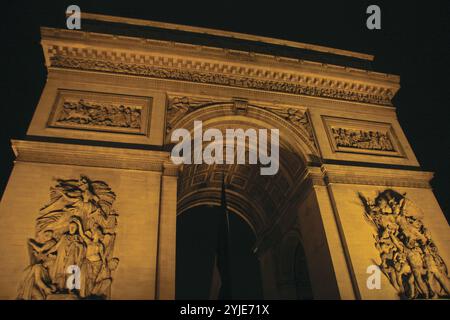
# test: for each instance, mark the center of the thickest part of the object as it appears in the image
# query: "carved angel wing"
(368, 215)
(64, 186)
(60, 196)
(57, 221)
(105, 194)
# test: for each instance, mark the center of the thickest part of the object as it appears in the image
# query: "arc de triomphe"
(93, 184)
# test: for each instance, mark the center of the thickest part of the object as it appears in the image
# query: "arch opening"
(196, 249)
(257, 200)
(293, 274)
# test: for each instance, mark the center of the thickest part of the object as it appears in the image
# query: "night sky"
(413, 43)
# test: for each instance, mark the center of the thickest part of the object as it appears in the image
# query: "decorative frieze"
(360, 136)
(362, 139)
(93, 113)
(216, 72)
(100, 112)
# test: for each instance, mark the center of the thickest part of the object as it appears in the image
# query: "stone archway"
(260, 200)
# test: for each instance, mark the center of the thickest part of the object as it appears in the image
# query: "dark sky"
(413, 43)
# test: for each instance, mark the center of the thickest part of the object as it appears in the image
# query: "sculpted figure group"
(409, 257)
(77, 228)
(84, 112)
(371, 140)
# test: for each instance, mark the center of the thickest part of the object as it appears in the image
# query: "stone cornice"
(93, 156)
(222, 33)
(376, 176)
(184, 62)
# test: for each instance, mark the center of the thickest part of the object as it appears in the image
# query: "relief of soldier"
(409, 257)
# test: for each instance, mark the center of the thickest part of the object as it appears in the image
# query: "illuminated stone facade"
(98, 148)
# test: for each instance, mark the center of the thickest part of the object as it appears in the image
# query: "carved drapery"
(409, 257)
(76, 229)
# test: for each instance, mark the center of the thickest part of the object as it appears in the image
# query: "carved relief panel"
(71, 256)
(409, 257)
(363, 137)
(101, 112)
